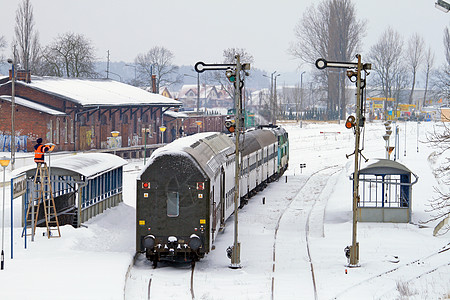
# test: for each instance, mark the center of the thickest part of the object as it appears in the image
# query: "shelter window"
(173, 204)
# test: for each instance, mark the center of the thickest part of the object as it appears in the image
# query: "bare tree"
(429, 61)
(26, 37)
(414, 58)
(330, 31)
(386, 58)
(442, 78)
(2, 47)
(229, 55)
(447, 44)
(440, 141)
(159, 61)
(70, 55)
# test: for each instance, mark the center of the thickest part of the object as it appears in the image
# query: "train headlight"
(149, 242)
(194, 242)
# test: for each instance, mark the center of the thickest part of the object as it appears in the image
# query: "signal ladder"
(43, 193)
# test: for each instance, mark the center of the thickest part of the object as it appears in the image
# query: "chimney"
(154, 84)
(21, 75)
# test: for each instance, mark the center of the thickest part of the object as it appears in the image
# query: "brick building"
(79, 114)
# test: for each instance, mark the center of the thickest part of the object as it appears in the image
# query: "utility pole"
(235, 257)
(233, 72)
(13, 109)
(354, 250)
(354, 74)
(301, 98)
(107, 65)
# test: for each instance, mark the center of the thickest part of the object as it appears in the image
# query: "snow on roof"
(176, 148)
(103, 92)
(33, 105)
(89, 165)
(176, 114)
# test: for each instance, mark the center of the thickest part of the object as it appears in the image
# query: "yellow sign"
(202, 221)
(378, 105)
(141, 222)
(381, 99)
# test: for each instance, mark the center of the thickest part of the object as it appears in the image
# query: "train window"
(173, 204)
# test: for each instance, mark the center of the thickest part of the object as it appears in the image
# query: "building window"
(103, 120)
(124, 119)
(57, 131)
(65, 131)
(72, 132)
(51, 132)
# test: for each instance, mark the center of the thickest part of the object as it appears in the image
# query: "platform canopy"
(81, 167)
(385, 167)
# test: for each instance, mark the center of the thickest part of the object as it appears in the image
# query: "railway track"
(309, 201)
(170, 279)
(427, 265)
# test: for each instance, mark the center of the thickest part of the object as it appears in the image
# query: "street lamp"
(116, 75)
(162, 129)
(271, 107)
(133, 66)
(4, 162)
(198, 90)
(145, 131)
(199, 123)
(301, 98)
(13, 102)
(275, 104)
(115, 134)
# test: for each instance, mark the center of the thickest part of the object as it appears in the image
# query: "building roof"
(89, 165)
(98, 92)
(33, 105)
(386, 167)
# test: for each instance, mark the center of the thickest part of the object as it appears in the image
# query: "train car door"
(222, 198)
(214, 217)
(257, 169)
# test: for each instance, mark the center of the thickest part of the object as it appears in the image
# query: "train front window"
(173, 204)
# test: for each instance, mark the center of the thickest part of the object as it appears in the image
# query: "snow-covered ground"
(306, 221)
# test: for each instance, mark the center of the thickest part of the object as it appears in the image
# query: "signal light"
(230, 125)
(146, 185)
(231, 75)
(350, 122)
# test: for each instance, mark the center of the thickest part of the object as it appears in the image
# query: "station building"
(79, 114)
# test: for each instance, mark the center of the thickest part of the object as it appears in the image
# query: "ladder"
(44, 195)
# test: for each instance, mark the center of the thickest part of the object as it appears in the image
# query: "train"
(185, 193)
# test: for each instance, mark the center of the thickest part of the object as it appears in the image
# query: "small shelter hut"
(83, 185)
(386, 192)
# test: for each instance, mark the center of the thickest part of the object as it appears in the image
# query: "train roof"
(208, 149)
(254, 140)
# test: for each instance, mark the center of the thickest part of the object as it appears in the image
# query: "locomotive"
(185, 193)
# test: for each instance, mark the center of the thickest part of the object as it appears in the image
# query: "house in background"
(80, 114)
(210, 96)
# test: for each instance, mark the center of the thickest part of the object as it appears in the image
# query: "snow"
(93, 92)
(89, 165)
(33, 105)
(306, 221)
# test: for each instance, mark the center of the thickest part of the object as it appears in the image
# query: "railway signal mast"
(354, 71)
(233, 73)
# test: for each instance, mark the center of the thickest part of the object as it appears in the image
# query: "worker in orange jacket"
(39, 151)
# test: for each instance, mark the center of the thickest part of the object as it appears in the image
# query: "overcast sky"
(199, 30)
